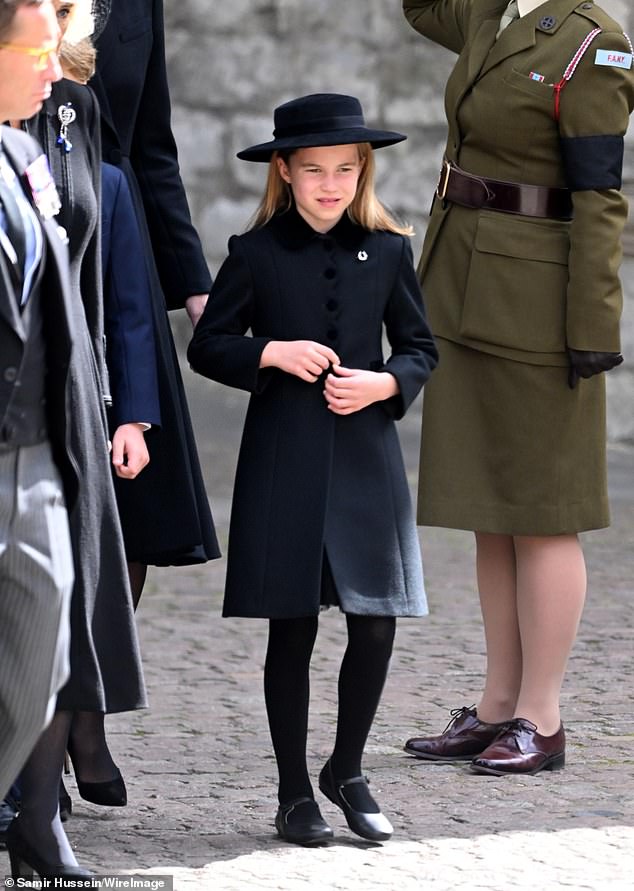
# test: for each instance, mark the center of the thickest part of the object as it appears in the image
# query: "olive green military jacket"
(516, 286)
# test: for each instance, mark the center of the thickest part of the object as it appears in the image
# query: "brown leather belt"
(464, 188)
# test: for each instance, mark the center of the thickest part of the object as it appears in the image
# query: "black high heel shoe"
(372, 826)
(110, 793)
(25, 860)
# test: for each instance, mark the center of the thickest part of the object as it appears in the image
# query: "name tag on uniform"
(613, 58)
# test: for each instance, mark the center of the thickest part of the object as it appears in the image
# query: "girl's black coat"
(308, 480)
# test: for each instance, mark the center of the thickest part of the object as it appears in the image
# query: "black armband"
(593, 162)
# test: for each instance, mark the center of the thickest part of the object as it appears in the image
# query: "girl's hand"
(351, 389)
(303, 358)
(129, 451)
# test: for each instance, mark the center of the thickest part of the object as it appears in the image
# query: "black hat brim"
(101, 14)
(376, 138)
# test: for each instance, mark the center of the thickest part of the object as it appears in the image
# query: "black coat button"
(547, 23)
(332, 305)
(10, 374)
(330, 273)
(332, 333)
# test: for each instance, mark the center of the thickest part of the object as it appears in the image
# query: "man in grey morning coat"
(37, 479)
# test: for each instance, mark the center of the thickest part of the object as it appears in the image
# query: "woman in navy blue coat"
(321, 509)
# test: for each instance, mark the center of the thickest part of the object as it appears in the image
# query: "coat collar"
(293, 230)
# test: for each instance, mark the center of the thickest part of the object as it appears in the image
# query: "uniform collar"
(526, 6)
(292, 229)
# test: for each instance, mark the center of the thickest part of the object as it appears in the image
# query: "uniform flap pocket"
(530, 84)
(510, 236)
(136, 29)
(517, 284)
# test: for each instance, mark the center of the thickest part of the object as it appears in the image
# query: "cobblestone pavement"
(201, 776)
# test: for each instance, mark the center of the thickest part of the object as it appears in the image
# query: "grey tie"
(508, 16)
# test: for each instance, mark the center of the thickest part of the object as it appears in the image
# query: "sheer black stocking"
(137, 573)
(39, 783)
(89, 750)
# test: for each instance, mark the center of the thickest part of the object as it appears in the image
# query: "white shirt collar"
(526, 6)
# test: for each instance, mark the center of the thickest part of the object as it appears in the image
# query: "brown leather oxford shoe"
(520, 749)
(463, 737)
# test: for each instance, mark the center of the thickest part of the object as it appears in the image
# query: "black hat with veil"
(100, 12)
(87, 19)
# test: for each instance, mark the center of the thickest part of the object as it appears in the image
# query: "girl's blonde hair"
(366, 210)
(78, 60)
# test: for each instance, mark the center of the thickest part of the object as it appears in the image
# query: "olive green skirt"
(509, 448)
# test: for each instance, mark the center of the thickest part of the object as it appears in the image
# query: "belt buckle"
(443, 181)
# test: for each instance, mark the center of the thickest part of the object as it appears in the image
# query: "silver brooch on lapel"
(66, 115)
(363, 256)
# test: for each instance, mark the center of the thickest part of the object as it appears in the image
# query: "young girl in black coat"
(321, 509)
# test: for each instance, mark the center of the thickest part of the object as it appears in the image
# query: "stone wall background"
(232, 61)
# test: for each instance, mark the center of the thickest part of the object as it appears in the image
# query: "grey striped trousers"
(36, 578)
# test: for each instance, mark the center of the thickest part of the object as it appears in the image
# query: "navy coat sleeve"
(414, 355)
(219, 349)
(131, 349)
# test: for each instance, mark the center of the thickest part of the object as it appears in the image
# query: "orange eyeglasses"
(40, 54)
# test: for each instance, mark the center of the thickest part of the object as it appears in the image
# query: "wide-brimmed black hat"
(316, 120)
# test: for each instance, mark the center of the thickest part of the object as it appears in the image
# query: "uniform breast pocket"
(517, 283)
(540, 90)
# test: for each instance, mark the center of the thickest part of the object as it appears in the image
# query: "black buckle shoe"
(300, 821)
(372, 826)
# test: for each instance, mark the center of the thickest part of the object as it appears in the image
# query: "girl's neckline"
(295, 232)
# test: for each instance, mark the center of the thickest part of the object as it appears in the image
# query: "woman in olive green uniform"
(520, 271)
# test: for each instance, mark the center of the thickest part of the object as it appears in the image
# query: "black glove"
(586, 363)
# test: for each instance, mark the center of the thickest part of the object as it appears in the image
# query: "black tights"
(286, 690)
(39, 785)
(137, 573)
